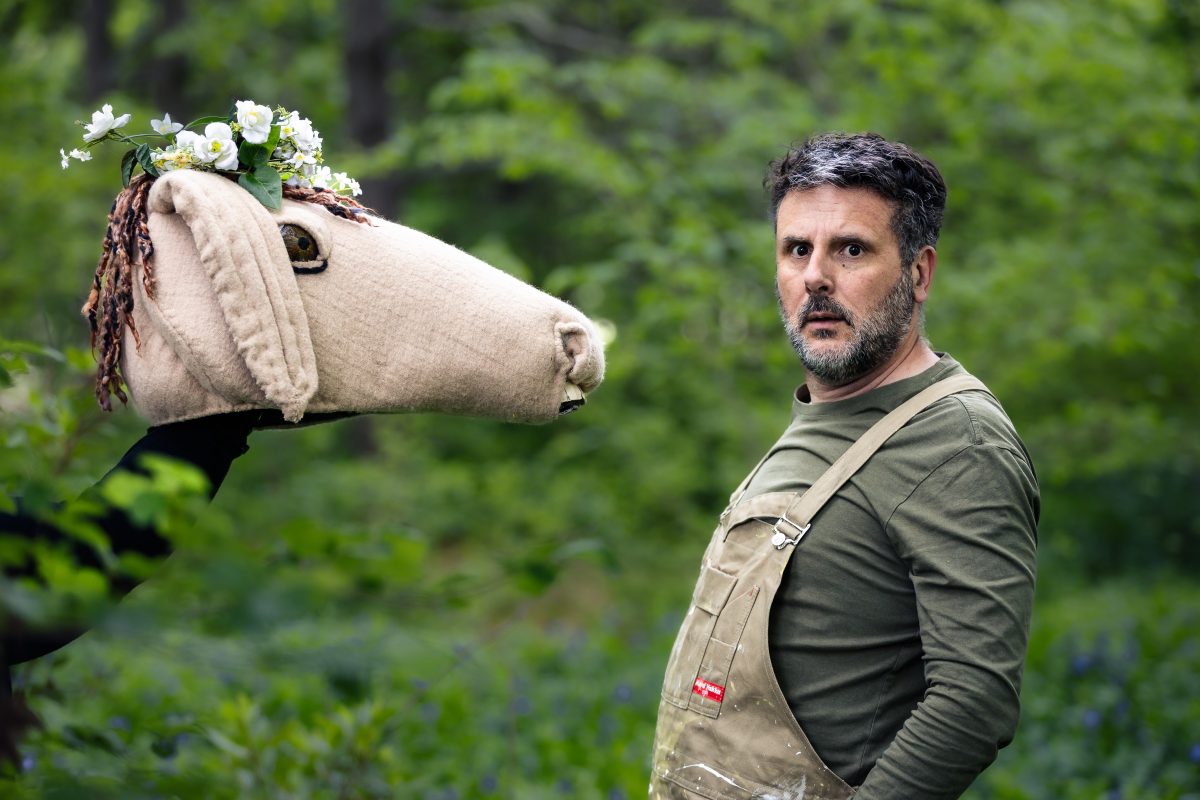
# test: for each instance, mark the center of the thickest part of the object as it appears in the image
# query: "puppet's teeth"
(572, 399)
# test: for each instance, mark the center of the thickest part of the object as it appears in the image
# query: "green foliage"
(460, 608)
(264, 183)
(142, 154)
(1110, 701)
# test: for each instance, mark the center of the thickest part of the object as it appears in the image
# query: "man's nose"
(819, 273)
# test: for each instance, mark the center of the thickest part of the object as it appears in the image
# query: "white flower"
(187, 151)
(255, 121)
(303, 164)
(103, 122)
(174, 158)
(79, 155)
(164, 126)
(163, 160)
(189, 141)
(216, 147)
(321, 177)
(300, 130)
(344, 184)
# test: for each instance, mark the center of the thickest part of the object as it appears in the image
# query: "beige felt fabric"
(399, 321)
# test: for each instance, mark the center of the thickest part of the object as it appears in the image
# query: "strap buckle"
(781, 540)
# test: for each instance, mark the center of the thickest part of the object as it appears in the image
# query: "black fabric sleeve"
(210, 444)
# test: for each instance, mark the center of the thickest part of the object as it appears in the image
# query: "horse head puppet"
(207, 301)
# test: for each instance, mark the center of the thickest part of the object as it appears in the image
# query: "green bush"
(330, 704)
(1111, 699)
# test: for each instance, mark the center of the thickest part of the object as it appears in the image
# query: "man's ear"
(923, 267)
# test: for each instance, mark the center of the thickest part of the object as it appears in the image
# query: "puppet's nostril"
(581, 348)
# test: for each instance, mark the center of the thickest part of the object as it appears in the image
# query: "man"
(865, 637)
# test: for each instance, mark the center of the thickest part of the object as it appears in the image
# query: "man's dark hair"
(892, 170)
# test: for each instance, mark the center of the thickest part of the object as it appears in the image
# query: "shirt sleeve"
(969, 534)
(210, 444)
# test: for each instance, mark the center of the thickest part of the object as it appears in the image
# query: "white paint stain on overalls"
(714, 773)
(794, 793)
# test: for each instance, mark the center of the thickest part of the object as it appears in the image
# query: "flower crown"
(264, 148)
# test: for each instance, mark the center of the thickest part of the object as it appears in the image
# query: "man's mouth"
(822, 319)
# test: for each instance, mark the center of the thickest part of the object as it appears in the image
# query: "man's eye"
(301, 246)
(854, 250)
(799, 250)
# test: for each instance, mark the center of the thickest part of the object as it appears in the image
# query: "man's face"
(846, 303)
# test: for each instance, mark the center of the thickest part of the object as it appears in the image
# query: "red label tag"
(708, 690)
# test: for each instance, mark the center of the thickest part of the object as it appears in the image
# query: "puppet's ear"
(237, 244)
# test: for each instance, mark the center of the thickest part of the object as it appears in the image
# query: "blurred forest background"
(431, 607)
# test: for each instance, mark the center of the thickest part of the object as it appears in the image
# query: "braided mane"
(109, 307)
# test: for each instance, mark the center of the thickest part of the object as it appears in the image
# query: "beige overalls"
(725, 730)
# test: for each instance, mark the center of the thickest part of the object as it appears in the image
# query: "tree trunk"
(167, 77)
(368, 36)
(98, 49)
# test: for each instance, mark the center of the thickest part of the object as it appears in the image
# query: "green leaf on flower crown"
(273, 139)
(127, 163)
(253, 155)
(202, 121)
(265, 184)
(143, 158)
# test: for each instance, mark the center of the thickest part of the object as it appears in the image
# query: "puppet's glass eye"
(301, 246)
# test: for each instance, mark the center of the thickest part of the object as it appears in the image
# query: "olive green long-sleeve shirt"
(899, 632)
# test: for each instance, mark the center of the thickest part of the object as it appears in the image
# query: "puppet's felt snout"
(392, 320)
(585, 356)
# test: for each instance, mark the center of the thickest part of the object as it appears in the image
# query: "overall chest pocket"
(698, 670)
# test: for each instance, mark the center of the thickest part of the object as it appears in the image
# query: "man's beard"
(875, 337)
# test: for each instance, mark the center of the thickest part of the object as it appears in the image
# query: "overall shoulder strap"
(797, 518)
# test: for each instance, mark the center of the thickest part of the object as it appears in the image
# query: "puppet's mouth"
(572, 399)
